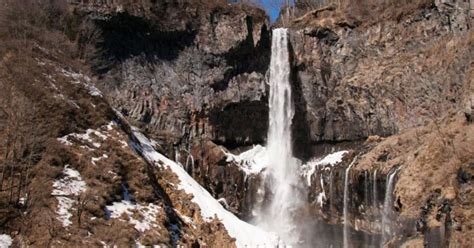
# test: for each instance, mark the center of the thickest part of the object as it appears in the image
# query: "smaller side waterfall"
(374, 206)
(387, 207)
(177, 155)
(189, 163)
(346, 203)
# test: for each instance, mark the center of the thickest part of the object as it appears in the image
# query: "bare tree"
(21, 142)
(53, 227)
(82, 200)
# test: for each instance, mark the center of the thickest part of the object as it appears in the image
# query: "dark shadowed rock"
(200, 77)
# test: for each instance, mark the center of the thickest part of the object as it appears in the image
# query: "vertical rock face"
(191, 74)
(359, 78)
(408, 78)
(185, 70)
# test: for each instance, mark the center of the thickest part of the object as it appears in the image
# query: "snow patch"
(110, 126)
(5, 241)
(123, 143)
(332, 159)
(94, 160)
(87, 137)
(70, 184)
(64, 140)
(83, 80)
(246, 235)
(147, 214)
(66, 190)
(252, 161)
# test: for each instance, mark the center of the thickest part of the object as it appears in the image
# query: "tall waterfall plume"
(281, 178)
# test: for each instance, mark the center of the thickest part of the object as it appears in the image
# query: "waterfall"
(374, 206)
(177, 156)
(281, 178)
(346, 204)
(387, 207)
(374, 185)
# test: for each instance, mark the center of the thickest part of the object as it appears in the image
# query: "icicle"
(322, 195)
(188, 159)
(177, 156)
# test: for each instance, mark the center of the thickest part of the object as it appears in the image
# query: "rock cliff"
(408, 78)
(356, 78)
(392, 87)
(197, 72)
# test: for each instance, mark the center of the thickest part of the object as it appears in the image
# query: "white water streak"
(387, 207)
(346, 203)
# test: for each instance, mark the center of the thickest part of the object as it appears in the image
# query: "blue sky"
(272, 7)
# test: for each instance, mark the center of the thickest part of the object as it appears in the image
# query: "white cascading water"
(387, 207)
(281, 177)
(345, 213)
(374, 197)
(374, 205)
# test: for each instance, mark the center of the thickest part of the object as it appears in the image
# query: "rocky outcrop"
(199, 77)
(193, 85)
(408, 78)
(358, 79)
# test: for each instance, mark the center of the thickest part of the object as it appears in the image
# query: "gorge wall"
(354, 75)
(185, 70)
(408, 78)
(383, 96)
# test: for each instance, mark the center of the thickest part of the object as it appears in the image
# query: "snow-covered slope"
(246, 235)
(67, 190)
(252, 161)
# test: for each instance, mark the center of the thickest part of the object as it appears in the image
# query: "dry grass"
(35, 46)
(431, 159)
(359, 12)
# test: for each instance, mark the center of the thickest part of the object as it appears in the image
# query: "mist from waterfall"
(281, 177)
